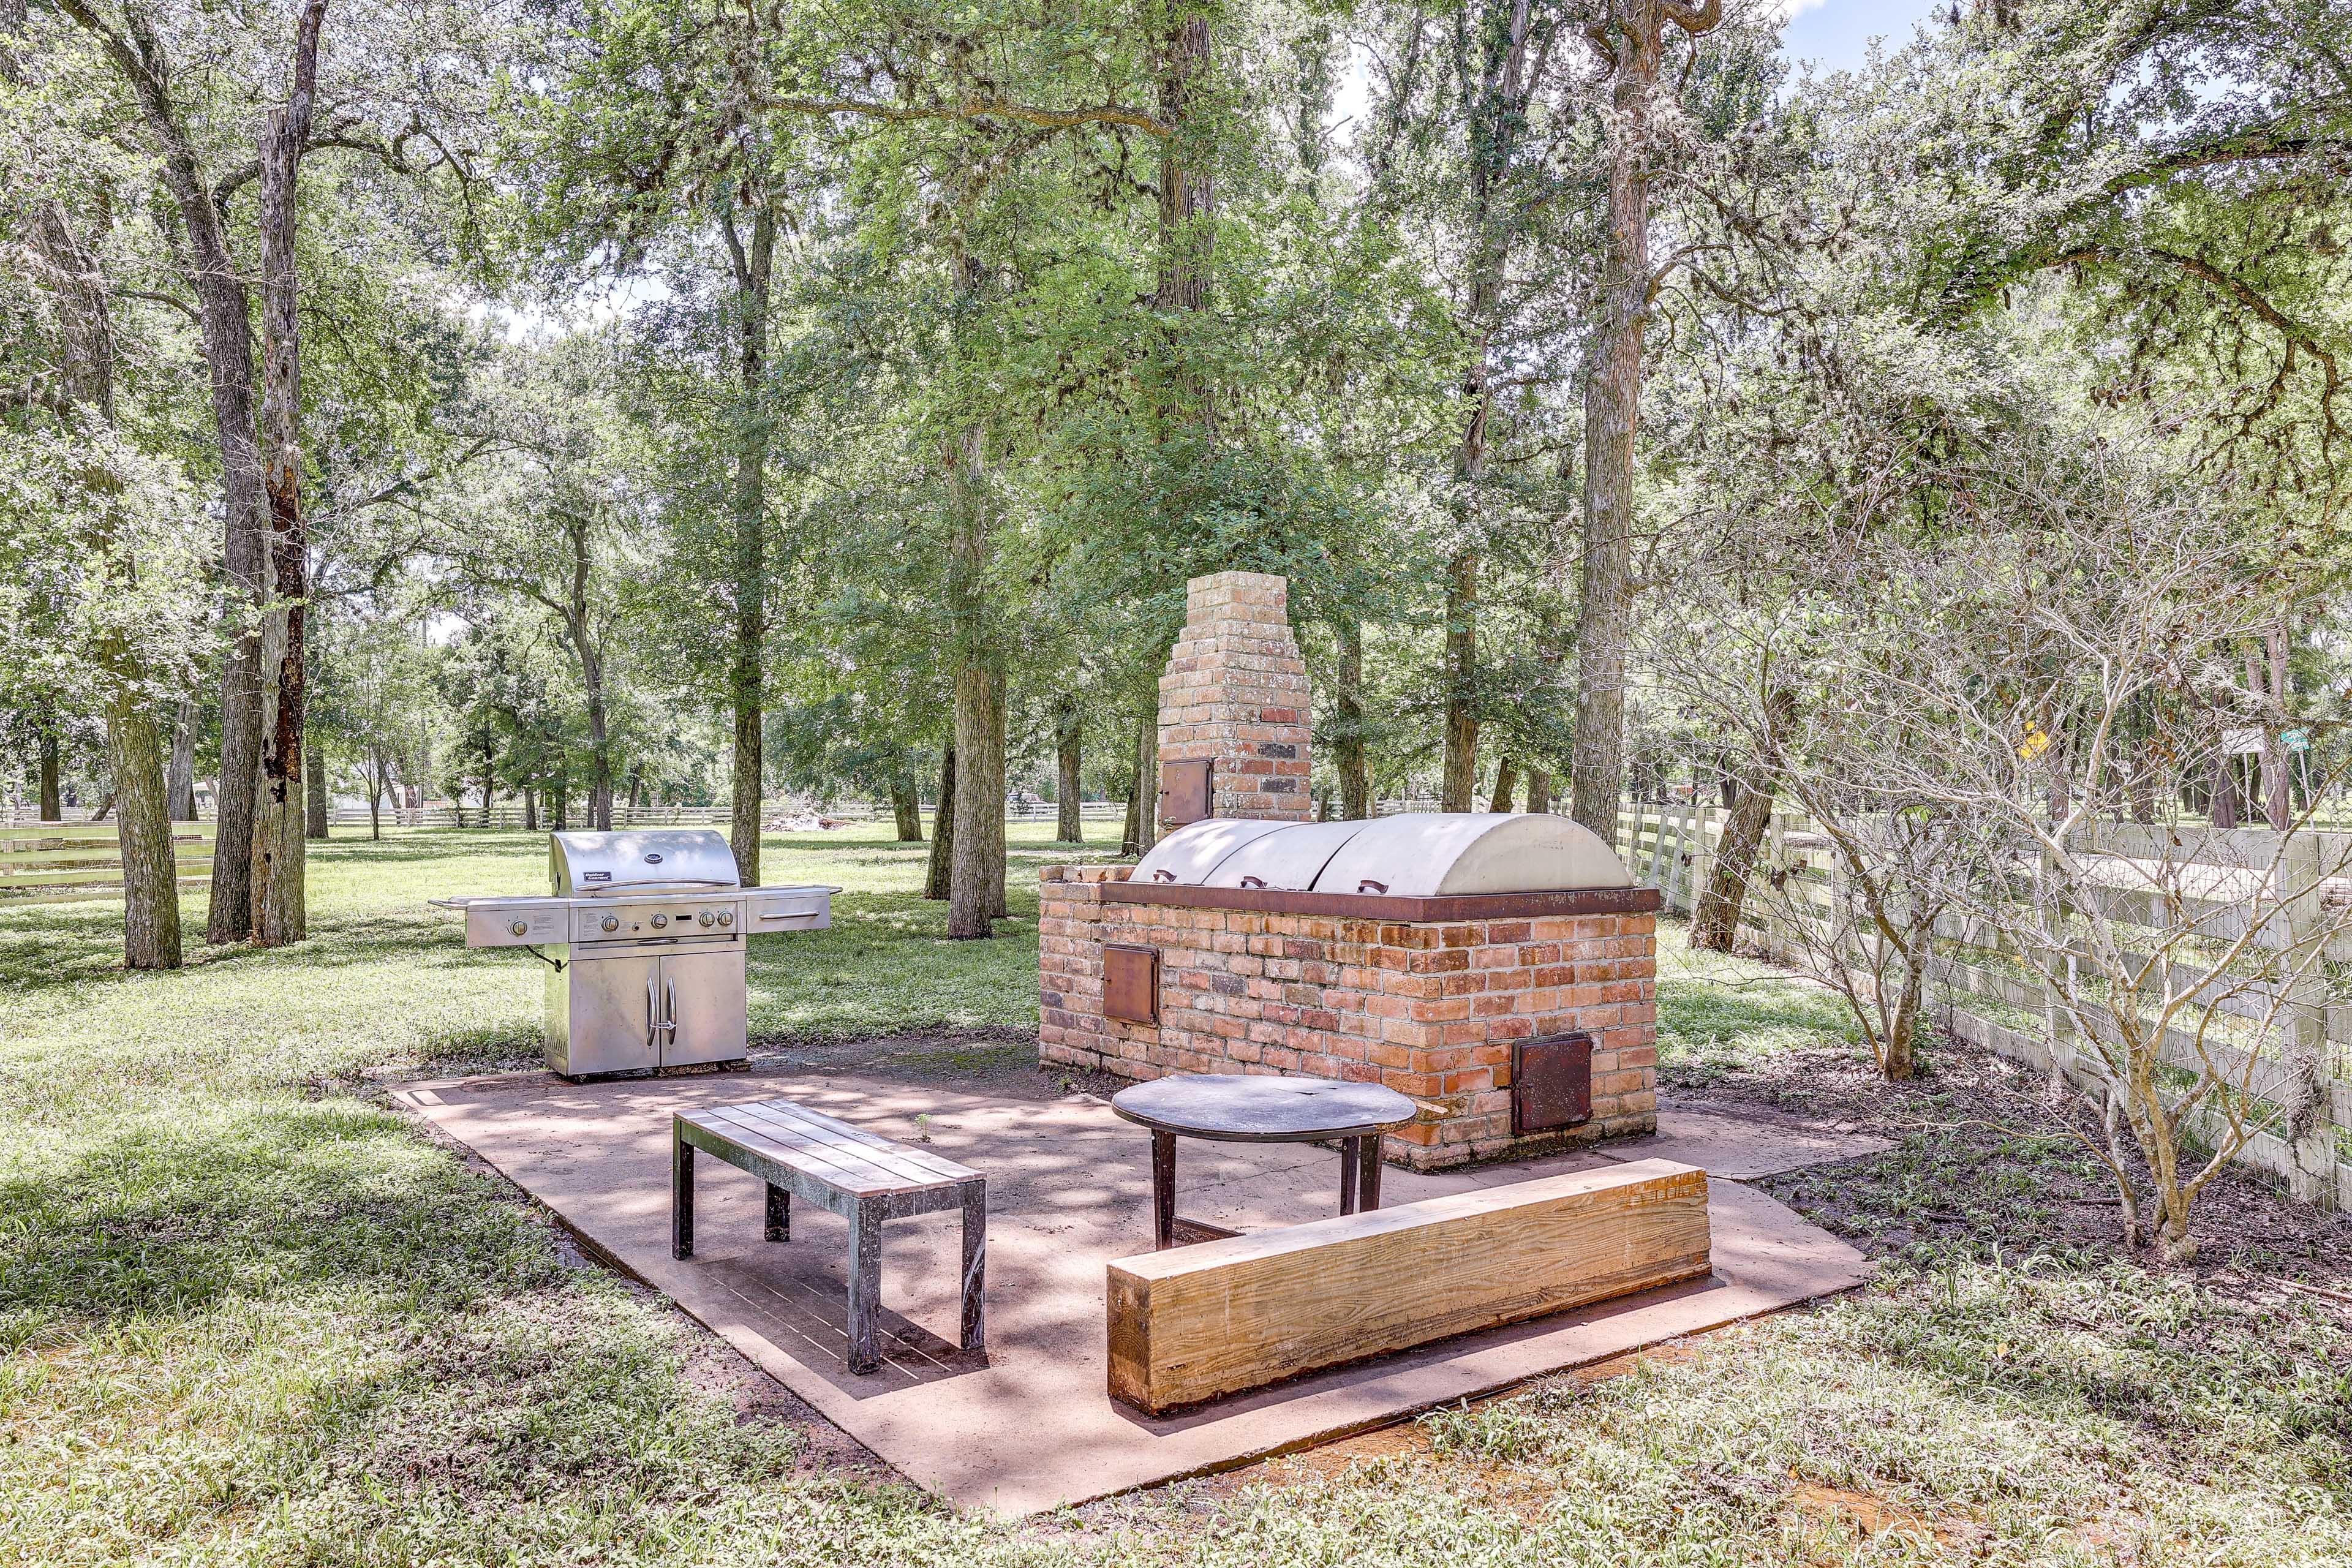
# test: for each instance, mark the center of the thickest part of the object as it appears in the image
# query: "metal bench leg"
(1368, 1176)
(681, 1196)
(780, 1213)
(975, 1266)
(1352, 1157)
(865, 1285)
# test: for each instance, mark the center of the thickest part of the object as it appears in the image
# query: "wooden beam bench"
(859, 1175)
(1194, 1322)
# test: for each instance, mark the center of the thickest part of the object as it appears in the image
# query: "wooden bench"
(1194, 1322)
(862, 1177)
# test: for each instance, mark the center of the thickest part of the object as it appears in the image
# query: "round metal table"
(1254, 1108)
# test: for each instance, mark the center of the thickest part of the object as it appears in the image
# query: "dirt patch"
(1865, 1516)
(1002, 1063)
(1983, 1159)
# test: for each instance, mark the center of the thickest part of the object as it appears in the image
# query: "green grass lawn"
(248, 1314)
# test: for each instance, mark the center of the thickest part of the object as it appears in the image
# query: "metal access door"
(702, 1004)
(607, 1025)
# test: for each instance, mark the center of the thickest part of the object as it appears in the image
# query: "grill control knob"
(660, 920)
(726, 917)
(520, 928)
(611, 922)
(705, 918)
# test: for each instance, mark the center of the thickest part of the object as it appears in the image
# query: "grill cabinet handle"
(669, 1011)
(653, 1018)
(1369, 886)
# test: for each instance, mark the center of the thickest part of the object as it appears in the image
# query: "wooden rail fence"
(1982, 993)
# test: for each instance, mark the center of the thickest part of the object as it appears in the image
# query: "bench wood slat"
(855, 1142)
(834, 1163)
(934, 1164)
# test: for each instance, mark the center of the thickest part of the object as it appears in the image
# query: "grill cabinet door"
(702, 996)
(613, 1004)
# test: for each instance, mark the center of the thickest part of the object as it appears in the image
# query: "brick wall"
(1430, 1010)
(1235, 691)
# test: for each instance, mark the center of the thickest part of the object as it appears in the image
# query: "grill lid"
(1188, 855)
(1419, 854)
(1427, 855)
(1290, 859)
(638, 862)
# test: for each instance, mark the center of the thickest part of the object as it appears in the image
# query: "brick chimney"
(1236, 696)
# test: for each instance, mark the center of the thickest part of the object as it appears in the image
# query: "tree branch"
(984, 109)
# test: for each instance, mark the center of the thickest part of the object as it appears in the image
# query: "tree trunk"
(531, 806)
(1539, 792)
(2275, 794)
(1507, 783)
(1069, 730)
(1130, 836)
(53, 800)
(972, 880)
(1496, 122)
(1715, 924)
(1185, 193)
(975, 870)
(180, 777)
(905, 807)
(225, 323)
(151, 884)
(1902, 1062)
(1355, 774)
(1457, 789)
(1613, 397)
(1147, 783)
(318, 809)
(753, 265)
(379, 778)
(280, 854)
(2225, 792)
(600, 756)
(936, 881)
(151, 875)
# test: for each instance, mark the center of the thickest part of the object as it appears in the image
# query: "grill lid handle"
(1369, 886)
(1163, 875)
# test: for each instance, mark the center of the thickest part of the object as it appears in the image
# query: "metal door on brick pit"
(703, 1002)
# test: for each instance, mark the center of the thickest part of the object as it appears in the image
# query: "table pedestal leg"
(1351, 1152)
(1163, 1189)
(1368, 1174)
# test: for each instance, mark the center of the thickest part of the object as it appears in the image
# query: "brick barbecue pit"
(1437, 969)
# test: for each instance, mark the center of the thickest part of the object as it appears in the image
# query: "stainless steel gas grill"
(643, 935)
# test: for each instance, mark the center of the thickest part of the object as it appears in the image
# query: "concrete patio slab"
(1029, 1426)
(1741, 1147)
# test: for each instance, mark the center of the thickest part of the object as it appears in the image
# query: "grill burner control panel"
(519, 922)
(647, 922)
